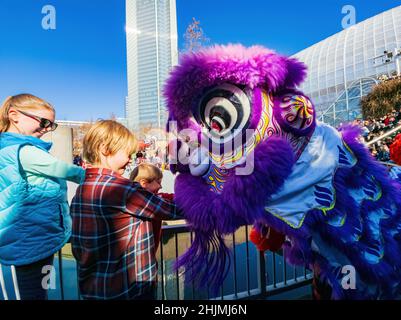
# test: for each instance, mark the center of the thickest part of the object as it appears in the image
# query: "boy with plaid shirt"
(112, 237)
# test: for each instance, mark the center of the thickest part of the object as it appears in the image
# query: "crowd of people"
(156, 158)
(374, 128)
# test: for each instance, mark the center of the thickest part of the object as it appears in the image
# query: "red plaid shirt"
(112, 235)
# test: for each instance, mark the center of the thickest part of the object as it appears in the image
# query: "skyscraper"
(152, 50)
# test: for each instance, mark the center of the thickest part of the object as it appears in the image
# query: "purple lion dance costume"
(258, 156)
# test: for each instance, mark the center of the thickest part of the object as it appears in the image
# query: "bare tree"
(78, 136)
(113, 116)
(194, 36)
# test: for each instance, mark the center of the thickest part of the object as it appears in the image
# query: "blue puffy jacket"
(34, 219)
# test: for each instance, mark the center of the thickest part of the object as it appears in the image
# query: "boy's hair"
(146, 171)
(110, 134)
(21, 102)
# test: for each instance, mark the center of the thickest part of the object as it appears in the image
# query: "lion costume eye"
(223, 110)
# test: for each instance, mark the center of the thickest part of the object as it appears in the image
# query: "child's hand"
(267, 238)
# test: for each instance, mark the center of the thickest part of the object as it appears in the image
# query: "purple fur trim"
(211, 215)
(254, 67)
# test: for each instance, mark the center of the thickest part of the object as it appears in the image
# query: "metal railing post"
(192, 282)
(235, 267)
(248, 280)
(274, 271)
(3, 284)
(284, 269)
(162, 268)
(177, 271)
(15, 283)
(78, 291)
(60, 268)
(261, 273)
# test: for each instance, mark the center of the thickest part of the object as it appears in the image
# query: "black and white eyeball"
(224, 110)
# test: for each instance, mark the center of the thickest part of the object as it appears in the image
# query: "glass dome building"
(343, 67)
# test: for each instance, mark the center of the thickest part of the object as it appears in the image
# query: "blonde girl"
(34, 214)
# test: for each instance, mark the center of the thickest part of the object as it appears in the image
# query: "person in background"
(77, 160)
(150, 178)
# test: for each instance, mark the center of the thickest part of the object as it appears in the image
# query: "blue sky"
(80, 66)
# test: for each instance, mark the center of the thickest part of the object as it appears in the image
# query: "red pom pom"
(273, 240)
(395, 150)
(255, 236)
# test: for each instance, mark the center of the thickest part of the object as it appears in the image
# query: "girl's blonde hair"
(110, 134)
(22, 102)
(146, 171)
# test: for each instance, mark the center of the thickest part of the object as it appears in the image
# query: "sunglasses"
(43, 122)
